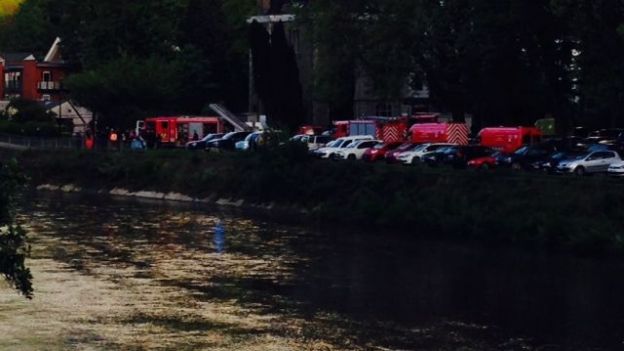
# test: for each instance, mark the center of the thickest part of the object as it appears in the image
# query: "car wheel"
(485, 167)
(516, 166)
(415, 160)
(351, 157)
(579, 171)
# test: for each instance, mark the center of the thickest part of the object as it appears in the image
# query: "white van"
(330, 149)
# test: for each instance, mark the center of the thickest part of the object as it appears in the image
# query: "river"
(129, 275)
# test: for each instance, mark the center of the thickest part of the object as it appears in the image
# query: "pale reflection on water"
(124, 275)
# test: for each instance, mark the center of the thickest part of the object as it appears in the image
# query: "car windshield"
(558, 155)
(405, 146)
(380, 146)
(251, 136)
(334, 143)
(522, 151)
(420, 147)
(448, 149)
(576, 156)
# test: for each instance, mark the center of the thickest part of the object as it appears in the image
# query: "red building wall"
(30, 78)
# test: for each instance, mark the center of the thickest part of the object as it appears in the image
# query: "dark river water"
(121, 274)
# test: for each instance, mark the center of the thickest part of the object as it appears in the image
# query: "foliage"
(200, 41)
(127, 89)
(13, 248)
(508, 62)
(33, 129)
(580, 214)
(23, 111)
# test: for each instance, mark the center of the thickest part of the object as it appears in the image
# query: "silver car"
(591, 162)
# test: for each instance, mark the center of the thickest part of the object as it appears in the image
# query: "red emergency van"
(508, 139)
(177, 131)
(452, 133)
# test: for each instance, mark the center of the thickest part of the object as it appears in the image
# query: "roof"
(14, 57)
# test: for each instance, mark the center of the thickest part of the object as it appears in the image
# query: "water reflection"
(153, 276)
(219, 236)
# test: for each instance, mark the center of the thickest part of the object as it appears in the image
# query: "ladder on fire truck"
(231, 118)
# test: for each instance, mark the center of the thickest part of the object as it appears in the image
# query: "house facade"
(22, 75)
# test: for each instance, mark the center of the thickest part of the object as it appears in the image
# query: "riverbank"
(579, 214)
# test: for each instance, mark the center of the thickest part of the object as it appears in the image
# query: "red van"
(507, 139)
(452, 133)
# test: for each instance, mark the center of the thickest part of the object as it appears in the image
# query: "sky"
(8, 7)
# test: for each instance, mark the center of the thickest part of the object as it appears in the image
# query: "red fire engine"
(176, 131)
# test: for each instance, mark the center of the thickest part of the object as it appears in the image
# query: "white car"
(590, 162)
(332, 148)
(616, 169)
(415, 155)
(356, 150)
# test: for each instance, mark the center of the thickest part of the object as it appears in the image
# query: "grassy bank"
(584, 214)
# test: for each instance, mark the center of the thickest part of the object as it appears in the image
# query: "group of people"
(109, 139)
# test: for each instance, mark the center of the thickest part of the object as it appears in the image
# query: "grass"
(580, 214)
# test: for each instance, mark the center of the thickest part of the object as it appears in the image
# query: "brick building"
(25, 76)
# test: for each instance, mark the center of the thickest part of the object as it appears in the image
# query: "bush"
(534, 210)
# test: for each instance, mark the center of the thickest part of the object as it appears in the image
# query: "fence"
(22, 142)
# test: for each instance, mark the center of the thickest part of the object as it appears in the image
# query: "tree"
(276, 75)
(13, 248)
(127, 89)
(22, 111)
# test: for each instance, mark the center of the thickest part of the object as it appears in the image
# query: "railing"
(39, 143)
(49, 85)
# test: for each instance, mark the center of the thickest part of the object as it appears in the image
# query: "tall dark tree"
(13, 247)
(286, 97)
(260, 43)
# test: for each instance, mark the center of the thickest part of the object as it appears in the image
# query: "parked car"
(415, 155)
(487, 162)
(457, 156)
(379, 151)
(589, 162)
(316, 142)
(551, 163)
(227, 142)
(356, 150)
(529, 157)
(201, 144)
(605, 136)
(437, 157)
(391, 156)
(330, 150)
(250, 142)
(616, 169)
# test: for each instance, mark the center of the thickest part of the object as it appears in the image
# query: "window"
(47, 76)
(46, 97)
(13, 80)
